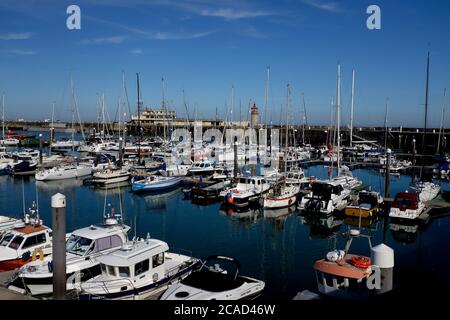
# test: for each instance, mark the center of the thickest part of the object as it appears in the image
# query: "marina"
(207, 152)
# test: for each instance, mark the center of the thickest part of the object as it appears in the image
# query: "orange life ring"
(360, 262)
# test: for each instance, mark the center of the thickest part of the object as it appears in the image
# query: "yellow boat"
(367, 205)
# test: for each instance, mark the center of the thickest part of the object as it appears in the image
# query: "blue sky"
(205, 47)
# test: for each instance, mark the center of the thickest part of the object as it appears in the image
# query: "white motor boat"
(139, 270)
(248, 189)
(9, 142)
(204, 168)
(215, 283)
(110, 176)
(66, 144)
(83, 248)
(427, 190)
(28, 240)
(64, 172)
(326, 196)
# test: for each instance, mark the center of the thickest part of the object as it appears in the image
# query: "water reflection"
(278, 217)
(321, 227)
(159, 201)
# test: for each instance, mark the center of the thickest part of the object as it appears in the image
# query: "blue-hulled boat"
(155, 183)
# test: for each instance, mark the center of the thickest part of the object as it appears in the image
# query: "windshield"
(16, 242)
(78, 245)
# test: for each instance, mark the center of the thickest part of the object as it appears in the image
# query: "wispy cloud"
(136, 51)
(153, 35)
(325, 6)
(107, 40)
(232, 14)
(20, 52)
(177, 36)
(16, 36)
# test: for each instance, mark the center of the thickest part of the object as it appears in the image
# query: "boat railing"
(107, 285)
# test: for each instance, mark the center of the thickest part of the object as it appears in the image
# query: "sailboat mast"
(139, 116)
(338, 111)
(288, 106)
(426, 104)
(266, 96)
(3, 117)
(385, 125)
(163, 104)
(353, 106)
(442, 122)
(303, 118)
(51, 130)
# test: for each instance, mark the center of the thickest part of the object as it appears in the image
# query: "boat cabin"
(135, 261)
(97, 238)
(406, 201)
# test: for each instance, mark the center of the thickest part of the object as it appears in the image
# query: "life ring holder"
(37, 251)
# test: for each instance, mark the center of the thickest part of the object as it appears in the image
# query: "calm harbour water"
(277, 247)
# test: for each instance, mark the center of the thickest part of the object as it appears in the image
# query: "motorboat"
(110, 176)
(326, 196)
(204, 168)
(248, 190)
(155, 183)
(28, 240)
(63, 172)
(412, 203)
(367, 204)
(407, 205)
(215, 283)
(9, 142)
(427, 190)
(343, 275)
(83, 247)
(138, 270)
(66, 144)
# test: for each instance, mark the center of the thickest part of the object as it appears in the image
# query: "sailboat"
(282, 195)
(6, 142)
(70, 143)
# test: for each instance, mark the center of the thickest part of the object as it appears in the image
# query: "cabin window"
(107, 243)
(34, 240)
(141, 267)
(111, 271)
(124, 272)
(158, 260)
(6, 239)
(103, 268)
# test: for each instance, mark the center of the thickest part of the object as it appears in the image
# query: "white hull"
(63, 173)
